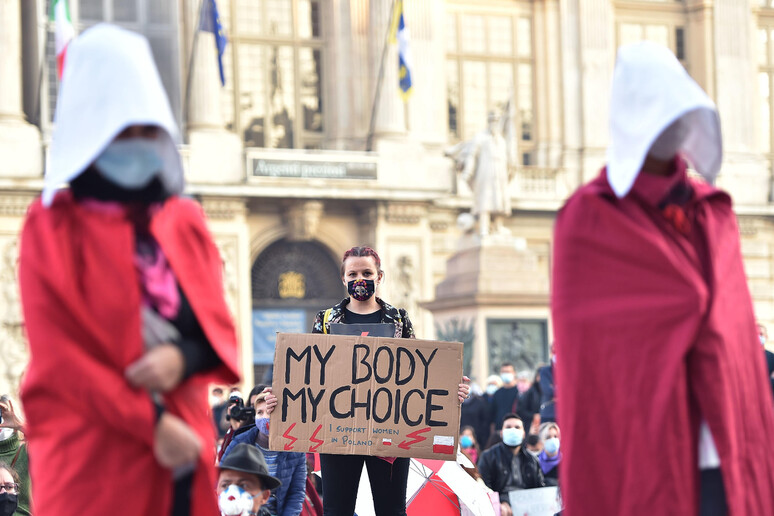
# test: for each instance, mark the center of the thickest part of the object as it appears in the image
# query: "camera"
(237, 410)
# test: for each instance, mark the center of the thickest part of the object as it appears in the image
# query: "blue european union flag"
(399, 33)
(210, 22)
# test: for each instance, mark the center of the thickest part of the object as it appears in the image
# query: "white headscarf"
(651, 91)
(110, 82)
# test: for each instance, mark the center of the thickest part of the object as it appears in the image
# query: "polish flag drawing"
(443, 444)
(64, 32)
(387, 442)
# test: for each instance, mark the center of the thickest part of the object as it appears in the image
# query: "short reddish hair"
(361, 251)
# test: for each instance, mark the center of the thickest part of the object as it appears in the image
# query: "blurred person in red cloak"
(123, 303)
(653, 318)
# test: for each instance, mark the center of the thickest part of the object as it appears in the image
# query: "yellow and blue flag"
(399, 34)
(210, 22)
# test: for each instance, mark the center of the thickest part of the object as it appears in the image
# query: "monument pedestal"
(493, 283)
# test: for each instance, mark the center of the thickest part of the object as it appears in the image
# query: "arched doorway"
(291, 282)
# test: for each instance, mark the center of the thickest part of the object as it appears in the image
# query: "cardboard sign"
(355, 395)
(543, 501)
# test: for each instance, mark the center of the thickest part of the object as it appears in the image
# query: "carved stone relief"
(229, 254)
(302, 220)
(13, 346)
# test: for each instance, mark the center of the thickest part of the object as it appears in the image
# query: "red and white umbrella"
(434, 487)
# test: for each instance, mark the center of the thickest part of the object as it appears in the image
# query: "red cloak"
(646, 347)
(90, 433)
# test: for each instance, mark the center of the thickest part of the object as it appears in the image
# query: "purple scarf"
(548, 463)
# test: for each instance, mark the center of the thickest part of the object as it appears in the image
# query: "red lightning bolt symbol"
(416, 438)
(314, 440)
(286, 435)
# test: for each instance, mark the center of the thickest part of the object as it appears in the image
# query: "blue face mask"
(512, 436)
(551, 446)
(131, 163)
(263, 424)
(491, 389)
(466, 441)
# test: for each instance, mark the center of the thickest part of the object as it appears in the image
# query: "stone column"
(548, 68)
(572, 119)
(227, 221)
(390, 121)
(427, 106)
(345, 74)
(597, 56)
(215, 153)
(700, 48)
(19, 141)
(744, 173)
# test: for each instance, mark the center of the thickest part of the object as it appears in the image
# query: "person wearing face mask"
(534, 445)
(507, 466)
(528, 408)
(13, 452)
(361, 274)
(244, 483)
(655, 328)
(476, 412)
(545, 377)
(288, 467)
(469, 443)
(122, 297)
(506, 398)
(551, 456)
(9, 490)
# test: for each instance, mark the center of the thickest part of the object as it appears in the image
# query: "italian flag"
(64, 31)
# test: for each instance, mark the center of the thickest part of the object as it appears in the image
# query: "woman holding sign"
(362, 274)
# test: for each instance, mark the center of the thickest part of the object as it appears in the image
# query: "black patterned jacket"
(397, 316)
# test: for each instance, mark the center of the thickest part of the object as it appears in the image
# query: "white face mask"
(513, 436)
(491, 389)
(6, 433)
(235, 501)
(131, 163)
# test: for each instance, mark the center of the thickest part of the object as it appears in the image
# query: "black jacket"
(495, 468)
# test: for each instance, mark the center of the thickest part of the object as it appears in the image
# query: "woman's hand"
(271, 400)
(464, 389)
(10, 418)
(159, 369)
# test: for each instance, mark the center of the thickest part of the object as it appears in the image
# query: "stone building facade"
(278, 157)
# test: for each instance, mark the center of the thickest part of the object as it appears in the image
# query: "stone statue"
(487, 164)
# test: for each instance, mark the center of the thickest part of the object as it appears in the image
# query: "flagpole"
(189, 76)
(379, 80)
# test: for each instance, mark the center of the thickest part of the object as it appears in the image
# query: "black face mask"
(8, 503)
(362, 290)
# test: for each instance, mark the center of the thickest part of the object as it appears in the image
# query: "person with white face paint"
(508, 466)
(122, 299)
(244, 483)
(653, 319)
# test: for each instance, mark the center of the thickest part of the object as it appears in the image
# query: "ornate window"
(489, 59)
(274, 60)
